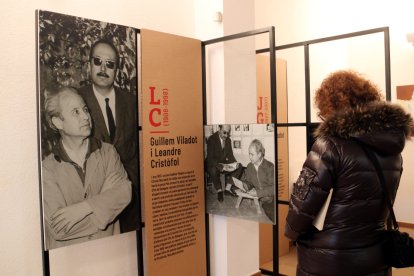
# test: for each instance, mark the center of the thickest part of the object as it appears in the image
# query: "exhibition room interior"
(215, 62)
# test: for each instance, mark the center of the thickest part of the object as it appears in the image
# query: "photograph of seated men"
(243, 169)
(259, 178)
(84, 184)
(221, 161)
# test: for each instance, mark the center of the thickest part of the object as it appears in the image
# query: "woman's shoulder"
(326, 143)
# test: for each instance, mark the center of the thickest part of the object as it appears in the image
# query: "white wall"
(240, 107)
(295, 20)
(207, 28)
(299, 20)
(231, 79)
(20, 250)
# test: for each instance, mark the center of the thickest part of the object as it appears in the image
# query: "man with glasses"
(114, 116)
(220, 159)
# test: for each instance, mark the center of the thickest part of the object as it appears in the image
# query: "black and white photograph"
(87, 103)
(240, 171)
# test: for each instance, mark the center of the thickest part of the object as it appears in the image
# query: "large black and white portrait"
(87, 96)
(240, 171)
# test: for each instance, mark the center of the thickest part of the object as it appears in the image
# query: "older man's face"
(76, 120)
(255, 157)
(103, 66)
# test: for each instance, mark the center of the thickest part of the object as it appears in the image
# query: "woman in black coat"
(350, 242)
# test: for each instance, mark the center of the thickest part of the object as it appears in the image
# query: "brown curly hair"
(344, 89)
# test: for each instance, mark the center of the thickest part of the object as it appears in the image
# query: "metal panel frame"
(272, 57)
(306, 46)
(308, 123)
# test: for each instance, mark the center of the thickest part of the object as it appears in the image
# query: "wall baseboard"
(406, 224)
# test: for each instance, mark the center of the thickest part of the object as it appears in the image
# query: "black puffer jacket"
(351, 241)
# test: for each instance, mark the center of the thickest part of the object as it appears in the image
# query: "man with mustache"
(114, 116)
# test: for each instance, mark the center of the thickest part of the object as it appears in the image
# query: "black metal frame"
(272, 57)
(139, 231)
(308, 124)
(45, 253)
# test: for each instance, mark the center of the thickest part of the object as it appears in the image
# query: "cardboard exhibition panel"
(172, 140)
(266, 239)
(264, 115)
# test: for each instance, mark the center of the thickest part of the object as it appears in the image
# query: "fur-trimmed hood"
(381, 125)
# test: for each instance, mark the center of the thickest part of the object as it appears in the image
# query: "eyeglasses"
(108, 63)
(225, 132)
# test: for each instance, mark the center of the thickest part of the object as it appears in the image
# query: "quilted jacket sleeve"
(311, 188)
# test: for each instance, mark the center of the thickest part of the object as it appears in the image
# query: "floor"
(287, 263)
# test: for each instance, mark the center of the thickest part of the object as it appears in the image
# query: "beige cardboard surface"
(405, 92)
(283, 241)
(264, 116)
(172, 149)
(405, 99)
(266, 238)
